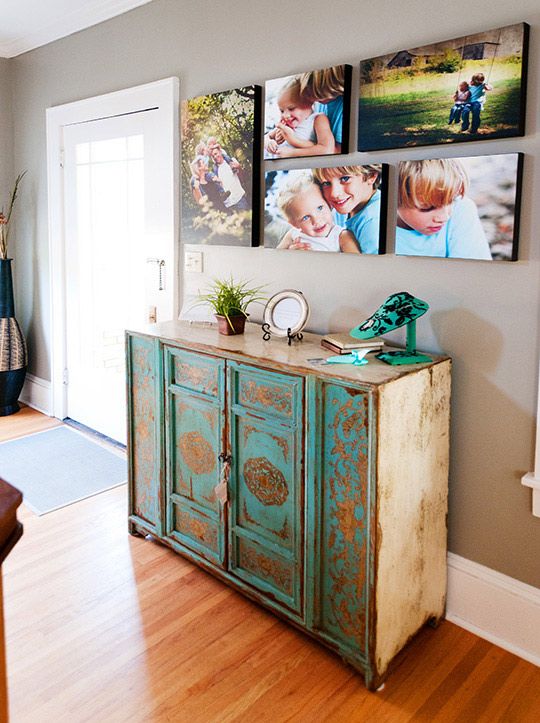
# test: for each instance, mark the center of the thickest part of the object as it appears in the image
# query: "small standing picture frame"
(285, 315)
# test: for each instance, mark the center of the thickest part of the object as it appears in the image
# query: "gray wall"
(484, 315)
(6, 133)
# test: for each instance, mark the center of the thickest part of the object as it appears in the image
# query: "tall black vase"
(13, 355)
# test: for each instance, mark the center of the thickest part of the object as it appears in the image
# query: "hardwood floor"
(26, 421)
(105, 627)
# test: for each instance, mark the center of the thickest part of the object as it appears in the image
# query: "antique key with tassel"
(221, 490)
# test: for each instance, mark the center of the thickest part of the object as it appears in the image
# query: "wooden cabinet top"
(276, 352)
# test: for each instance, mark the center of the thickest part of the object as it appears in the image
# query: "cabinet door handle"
(224, 457)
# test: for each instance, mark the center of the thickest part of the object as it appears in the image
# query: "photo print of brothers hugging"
(337, 209)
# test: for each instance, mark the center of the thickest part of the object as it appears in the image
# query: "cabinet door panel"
(194, 442)
(196, 372)
(262, 393)
(265, 501)
(266, 496)
(343, 555)
(144, 442)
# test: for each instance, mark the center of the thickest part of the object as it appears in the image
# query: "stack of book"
(344, 343)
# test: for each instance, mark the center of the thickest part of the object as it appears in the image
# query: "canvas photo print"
(220, 167)
(337, 209)
(308, 114)
(469, 88)
(465, 208)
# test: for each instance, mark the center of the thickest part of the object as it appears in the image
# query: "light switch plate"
(193, 262)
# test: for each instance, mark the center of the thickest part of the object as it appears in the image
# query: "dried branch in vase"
(5, 218)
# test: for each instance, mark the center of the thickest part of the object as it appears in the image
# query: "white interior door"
(119, 237)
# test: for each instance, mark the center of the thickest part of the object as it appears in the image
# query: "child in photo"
(313, 229)
(301, 131)
(202, 152)
(461, 97)
(201, 155)
(325, 88)
(353, 191)
(475, 104)
(434, 216)
(205, 185)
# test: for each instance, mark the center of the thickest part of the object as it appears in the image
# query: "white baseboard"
(532, 481)
(36, 393)
(495, 607)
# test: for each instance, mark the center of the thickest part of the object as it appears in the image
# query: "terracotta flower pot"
(238, 324)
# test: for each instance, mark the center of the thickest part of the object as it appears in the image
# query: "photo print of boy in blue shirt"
(435, 217)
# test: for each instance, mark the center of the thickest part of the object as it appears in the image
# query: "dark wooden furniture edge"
(10, 528)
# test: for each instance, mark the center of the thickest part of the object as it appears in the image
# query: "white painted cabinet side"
(412, 485)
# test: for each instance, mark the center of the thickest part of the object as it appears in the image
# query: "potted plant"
(229, 300)
(13, 359)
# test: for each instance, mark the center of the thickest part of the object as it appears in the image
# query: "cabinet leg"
(373, 682)
(132, 529)
(434, 622)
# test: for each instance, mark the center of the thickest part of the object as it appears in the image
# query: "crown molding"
(84, 17)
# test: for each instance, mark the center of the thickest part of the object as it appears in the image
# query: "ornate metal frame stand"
(267, 334)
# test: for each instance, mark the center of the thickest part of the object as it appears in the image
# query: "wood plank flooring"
(106, 627)
(26, 421)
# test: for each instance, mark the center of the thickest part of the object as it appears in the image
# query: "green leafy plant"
(5, 218)
(231, 298)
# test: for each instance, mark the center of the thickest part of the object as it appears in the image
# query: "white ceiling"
(27, 24)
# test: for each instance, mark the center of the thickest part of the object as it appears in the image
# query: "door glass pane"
(110, 221)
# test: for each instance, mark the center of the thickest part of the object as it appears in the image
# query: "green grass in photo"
(407, 108)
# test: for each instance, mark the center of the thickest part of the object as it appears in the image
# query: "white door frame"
(162, 97)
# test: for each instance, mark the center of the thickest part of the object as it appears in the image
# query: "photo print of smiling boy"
(308, 114)
(466, 208)
(338, 209)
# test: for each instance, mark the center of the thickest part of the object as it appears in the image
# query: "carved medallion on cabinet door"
(265, 493)
(198, 453)
(265, 481)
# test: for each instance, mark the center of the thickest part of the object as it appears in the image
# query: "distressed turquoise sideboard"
(318, 491)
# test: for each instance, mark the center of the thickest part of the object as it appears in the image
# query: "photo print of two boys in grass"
(469, 88)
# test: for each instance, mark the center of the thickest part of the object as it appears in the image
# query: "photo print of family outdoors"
(465, 208)
(336, 209)
(221, 167)
(469, 88)
(308, 114)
